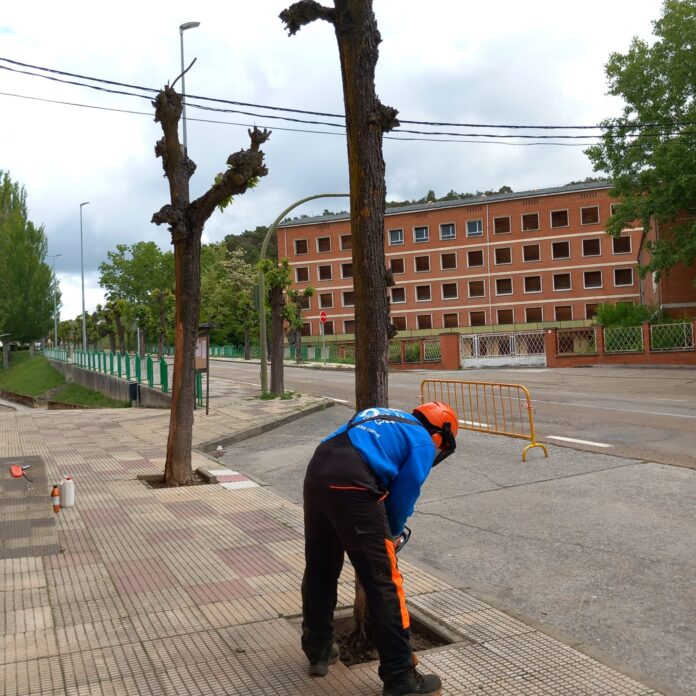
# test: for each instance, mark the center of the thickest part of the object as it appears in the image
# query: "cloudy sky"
(507, 62)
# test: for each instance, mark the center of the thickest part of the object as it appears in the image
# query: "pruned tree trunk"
(121, 332)
(186, 221)
(247, 344)
(112, 342)
(298, 345)
(162, 323)
(276, 297)
(367, 119)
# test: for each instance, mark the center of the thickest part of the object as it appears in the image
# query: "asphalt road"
(596, 548)
(645, 413)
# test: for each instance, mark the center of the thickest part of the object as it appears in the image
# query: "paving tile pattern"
(195, 590)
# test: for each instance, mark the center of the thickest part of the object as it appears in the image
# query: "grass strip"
(29, 375)
(73, 393)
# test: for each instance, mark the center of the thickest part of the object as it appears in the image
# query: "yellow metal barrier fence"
(488, 407)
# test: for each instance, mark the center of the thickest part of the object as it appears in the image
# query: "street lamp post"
(82, 269)
(262, 280)
(182, 29)
(55, 309)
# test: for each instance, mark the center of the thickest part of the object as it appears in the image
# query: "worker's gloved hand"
(397, 541)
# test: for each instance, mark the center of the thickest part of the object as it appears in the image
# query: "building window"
(531, 252)
(591, 311)
(621, 245)
(593, 279)
(398, 295)
(477, 318)
(424, 321)
(474, 228)
(349, 326)
(325, 273)
(449, 291)
(346, 270)
(346, 242)
(563, 313)
(302, 274)
(305, 302)
(476, 288)
(326, 300)
(501, 225)
(503, 286)
(448, 261)
(306, 329)
(623, 276)
(323, 244)
(591, 247)
(560, 250)
(396, 237)
(447, 231)
(561, 281)
(532, 284)
(474, 258)
(506, 316)
(422, 293)
(348, 298)
(300, 247)
(530, 222)
(396, 266)
(420, 234)
(589, 216)
(399, 323)
(422, 264)
(559, 218)
(503, 255)
(450, 321)
(328, 327)
(533, 314)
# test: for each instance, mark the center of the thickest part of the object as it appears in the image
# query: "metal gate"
(498, 349)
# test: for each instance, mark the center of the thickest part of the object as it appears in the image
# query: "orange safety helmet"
(441, 422)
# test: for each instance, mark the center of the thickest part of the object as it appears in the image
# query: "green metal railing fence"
(122, 365)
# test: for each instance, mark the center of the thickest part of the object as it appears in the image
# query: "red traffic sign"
(322, 316)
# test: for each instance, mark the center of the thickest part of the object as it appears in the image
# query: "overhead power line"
(636, 126)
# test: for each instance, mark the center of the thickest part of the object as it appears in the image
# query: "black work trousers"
(344, 510)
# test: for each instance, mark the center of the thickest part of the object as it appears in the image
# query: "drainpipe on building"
(488, 262)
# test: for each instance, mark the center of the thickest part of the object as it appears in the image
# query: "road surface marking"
(338, 401)
(577, 442)
(609, 408)
(474, 424)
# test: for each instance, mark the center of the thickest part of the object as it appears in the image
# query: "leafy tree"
(627, 314)
(650, 150)
(294, 318)
(185, 220)
(26, 280)
(250, 242)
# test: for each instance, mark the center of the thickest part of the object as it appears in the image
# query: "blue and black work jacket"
(399, 454)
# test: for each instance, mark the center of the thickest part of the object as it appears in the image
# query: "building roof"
(458, 203)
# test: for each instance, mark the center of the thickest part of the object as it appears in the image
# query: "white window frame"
(527, 320)
(559, 210)
(405, 328)
(454, 231)
(343, 298)
(501, 263)
(468, 289)
(505, 294)
(341, 237)
(444, 314)
(297, 279)
(328, 251)
(430, 293)
(477, 233)
(504, 309)
(503, 217)
(321, 302)
(403, 265)
(624, 285)
(456, 294)
(342, 273)
(415, 268)
(530, 229)
(319, 278)
(415, 234)
(400, 237)
(478, 311)
(570, 286)
(393, 290)
(587, 207)
(616, 239)
(301, 253)
(571, 313)
(553, 253)
(593, 287)
(327, 323)
(451, 268)
(538, 246)
(592, 239)
(533, 292)
(418, 316)
(345, 330)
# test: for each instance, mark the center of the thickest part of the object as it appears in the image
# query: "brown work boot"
(412, 683)
(320, 668)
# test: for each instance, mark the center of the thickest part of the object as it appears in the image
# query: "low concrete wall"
(23, 399)
(111, 386)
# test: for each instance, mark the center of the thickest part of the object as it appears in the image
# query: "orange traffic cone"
(55, 498)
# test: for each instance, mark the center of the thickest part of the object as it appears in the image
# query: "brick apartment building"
(518, 258)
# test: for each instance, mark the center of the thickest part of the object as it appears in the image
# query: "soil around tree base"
(422, 638)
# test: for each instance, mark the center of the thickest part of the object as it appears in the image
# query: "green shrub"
(627, 314)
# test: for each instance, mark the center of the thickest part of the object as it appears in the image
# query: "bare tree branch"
(305, 12)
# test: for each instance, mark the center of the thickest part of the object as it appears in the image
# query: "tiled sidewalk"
(195, 590)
